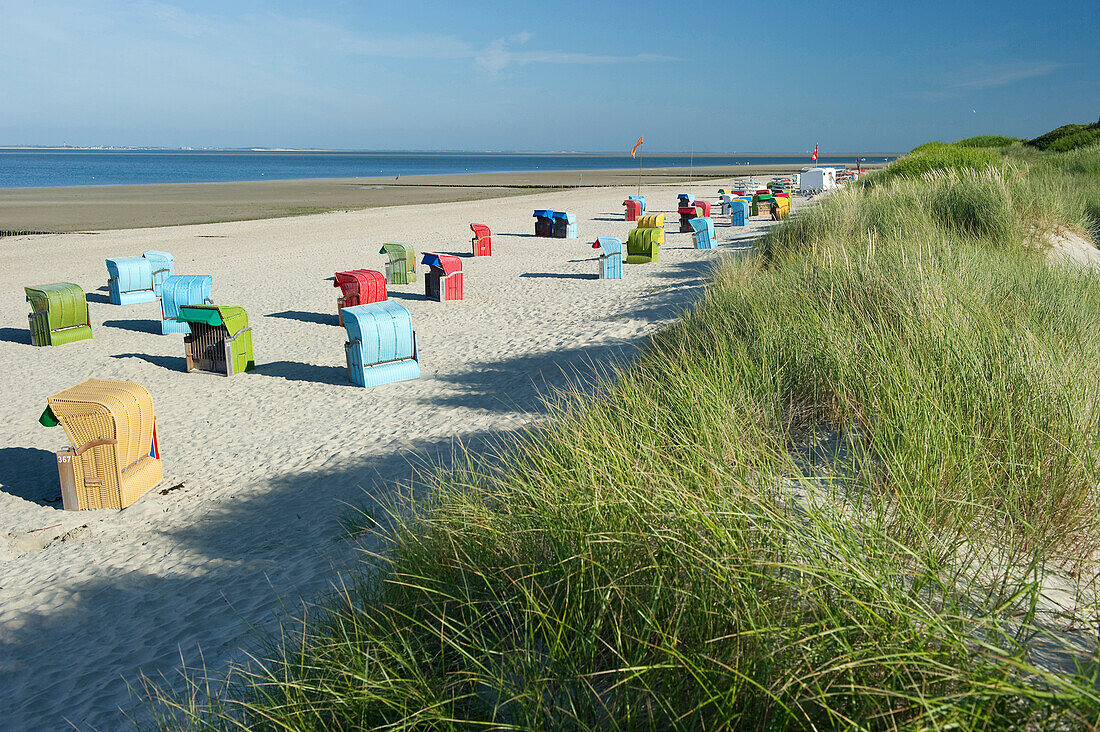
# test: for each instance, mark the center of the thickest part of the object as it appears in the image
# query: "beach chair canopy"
(220, 339)
(132, 274)
(685, 199)
(113, 433)
(608, 245)
(397, 252)
(59, 314)
(651, 221)
(383, 328)
(704, 206)
(639, 199)
(163, 265)
(481, 231)
(446, 262)
(180, 290)
(362, 283)
(543, 213)
(232, 317)
(568, 217)
(700, 223)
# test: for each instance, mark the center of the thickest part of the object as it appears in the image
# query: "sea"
(35, 168)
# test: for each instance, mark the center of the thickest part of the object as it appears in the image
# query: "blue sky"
(588, 76)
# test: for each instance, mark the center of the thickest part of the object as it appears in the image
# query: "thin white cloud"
(1008, 76)
(498, 56)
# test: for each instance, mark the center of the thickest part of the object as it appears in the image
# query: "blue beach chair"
(180, 290)
(130, 280)
(739, 212)
(381, 346)
(702, 232)
(164, 266)
(611, 257)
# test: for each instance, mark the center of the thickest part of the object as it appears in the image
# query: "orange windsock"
(636, 146)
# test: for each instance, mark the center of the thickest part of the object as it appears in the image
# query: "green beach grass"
(836, 494)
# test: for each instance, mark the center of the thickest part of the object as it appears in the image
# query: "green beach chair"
(642, 245)
(59, 314)
(401, 269)
(220, 339)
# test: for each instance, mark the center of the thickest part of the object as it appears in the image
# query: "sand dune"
(268, 461)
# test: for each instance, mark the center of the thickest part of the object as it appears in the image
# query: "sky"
(571, 76)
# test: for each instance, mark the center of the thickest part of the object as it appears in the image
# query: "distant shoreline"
(94, 208)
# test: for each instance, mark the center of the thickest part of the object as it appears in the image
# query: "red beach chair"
(359, 287)
(444, 279)
(633, 209)
(482, 241)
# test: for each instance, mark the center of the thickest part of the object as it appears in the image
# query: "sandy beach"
(94, 208)
(267, 462)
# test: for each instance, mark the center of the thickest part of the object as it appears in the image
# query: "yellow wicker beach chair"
(114, 458)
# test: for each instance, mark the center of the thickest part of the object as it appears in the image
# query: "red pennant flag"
(814, 156)
(636, 146)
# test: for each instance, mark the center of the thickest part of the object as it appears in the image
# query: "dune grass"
(828, 497)
(988, 141)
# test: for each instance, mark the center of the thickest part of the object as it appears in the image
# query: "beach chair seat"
(482, 243)
(358, 287)
(544, 222)
(401, 265)
(633, 209)
(163, 266)
(130, 280)
(59, 314)
(702, 233)
(178, 290)
(642, 245)
(114, 457)
(381, 346)
(565, 225)
(611, 257)
(443, 281)
(220, 341)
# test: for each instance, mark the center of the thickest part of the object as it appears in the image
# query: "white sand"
(270, 459)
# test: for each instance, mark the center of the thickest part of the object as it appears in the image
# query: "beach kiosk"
(113, 458)
(642, 245)
(482, 243)
(59, 314)
(381, 345)
(565, 225)
(220, 340)
(358, 287)
(178, 290)
(130, 280)
(611, 257)
(544, 222)
(817, 180)
(401, 267)
(702, 232)
(163, 265)
(443, 281)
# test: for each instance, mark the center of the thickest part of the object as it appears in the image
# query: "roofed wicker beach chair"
(482, 243)
(178, 290)
(358, 287)
(760, 201)
(130, 280)
(401, 267)
(633, 209)
(687, 213)
(642, 245)
(702, 233)
(220, 340)
(381, 346)
(544, 222)
(684, 200)
(640, 199)
(114, 458)
(702, 208)
(163, 265)
(611, 257)
(443, 281)
(59, 314)
(565, 225)
(739, 211)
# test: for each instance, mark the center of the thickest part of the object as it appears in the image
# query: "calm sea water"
(38, 168)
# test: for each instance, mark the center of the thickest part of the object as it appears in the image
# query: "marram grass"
(674, 548)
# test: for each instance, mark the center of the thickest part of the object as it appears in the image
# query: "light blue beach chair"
(381, 346)
(702, 232)
(180, 290)
(130, 280)
(611, 257)
(739, 212)
(164, 266)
